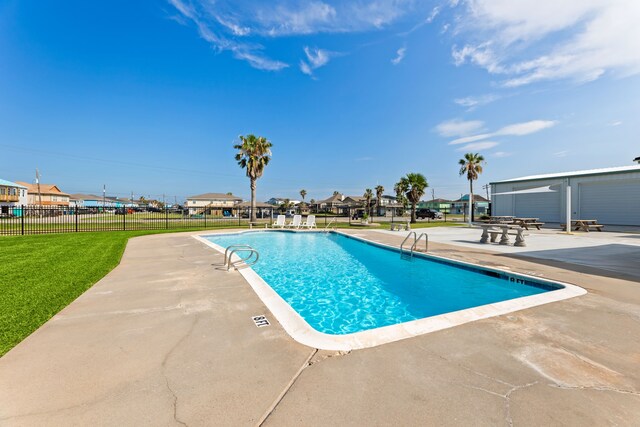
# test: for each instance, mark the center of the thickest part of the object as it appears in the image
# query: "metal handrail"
(426, 243)
(226, 251)
(415, 236)
(330, 222)
(243, 260)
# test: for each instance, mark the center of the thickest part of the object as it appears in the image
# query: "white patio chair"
(296, 222)
(310, 222)
(280, 222)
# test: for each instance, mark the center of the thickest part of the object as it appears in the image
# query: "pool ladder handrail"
(232, 249)
(416, 239)
(326, 228)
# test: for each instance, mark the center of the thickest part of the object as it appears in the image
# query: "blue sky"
(149, 96)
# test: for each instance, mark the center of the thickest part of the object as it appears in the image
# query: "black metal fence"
(23, 220)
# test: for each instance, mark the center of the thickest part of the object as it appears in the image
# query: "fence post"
(76, 212)
(240, 217)
(205, 218)
(124, 219)
(166, 217)
(22, 219)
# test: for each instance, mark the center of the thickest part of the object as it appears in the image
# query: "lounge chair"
(280, 221)
(310, 222)
(296, 222)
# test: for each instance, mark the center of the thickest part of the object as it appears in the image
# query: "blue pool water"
(341, 285)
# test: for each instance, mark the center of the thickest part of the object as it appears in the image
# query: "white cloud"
(316, 58)
(501, 154)
(243, 27)
(616, 123)
(562, 153)
(526, 128)
(531, 41)
(400, 54)
(434, 12)
(471, 102)
(252, 53)
(457, 127)
(476, 146)
(517, 129)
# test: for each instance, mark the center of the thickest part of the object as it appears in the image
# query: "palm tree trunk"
(470, 202)
(253, 200)
(413, 213)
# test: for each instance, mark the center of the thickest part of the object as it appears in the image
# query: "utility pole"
(486, 187)
(104, 195)
(433, 194)
(38, 185)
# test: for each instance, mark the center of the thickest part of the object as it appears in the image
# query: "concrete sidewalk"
(167, 339)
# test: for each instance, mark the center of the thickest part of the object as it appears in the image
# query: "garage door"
(613, 202)
(545, 206)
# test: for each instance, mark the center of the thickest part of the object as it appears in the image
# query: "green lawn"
(42, 274)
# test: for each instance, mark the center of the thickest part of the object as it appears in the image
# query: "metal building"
(610, 196)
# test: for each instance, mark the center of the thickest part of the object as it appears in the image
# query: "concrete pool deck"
(167, 339)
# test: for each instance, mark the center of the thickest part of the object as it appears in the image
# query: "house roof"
(602, 171)
(258, 205)
(476, 198)
(214, 196)
(441, 200)
(336, 198)
(79, 196)
(44, 188)
(10, 184)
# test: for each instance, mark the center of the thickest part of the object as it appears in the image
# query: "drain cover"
(260, 321)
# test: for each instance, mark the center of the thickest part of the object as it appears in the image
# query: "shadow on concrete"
(614, 260)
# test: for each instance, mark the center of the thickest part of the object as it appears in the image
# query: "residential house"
(332, 204)
(12, 196)
(389, 206)
(91, 201)
(212, 204)
(263, 210)
(440, 205)
(45, 195)
(277, 201)
(460, 206)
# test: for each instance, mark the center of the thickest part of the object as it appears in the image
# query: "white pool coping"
(304, 333)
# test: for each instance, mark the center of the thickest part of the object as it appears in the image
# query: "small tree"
(303, 194)
(412, 186)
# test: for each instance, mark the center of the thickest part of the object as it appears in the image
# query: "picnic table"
(499, 220)
(503, 230)
(528, 222)
(584, 225)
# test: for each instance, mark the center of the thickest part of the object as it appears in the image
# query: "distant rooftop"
(10, 184)
(214, 196)
(619, 169)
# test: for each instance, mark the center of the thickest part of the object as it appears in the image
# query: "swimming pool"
(342, 286)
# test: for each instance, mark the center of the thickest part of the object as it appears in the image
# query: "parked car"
(428, 213)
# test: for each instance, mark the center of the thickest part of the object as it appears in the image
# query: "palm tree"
(254, 153)
(379, 192)
(412, 187)
(368, 195)
(471, 165)
(335, 193)
(303, 194)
